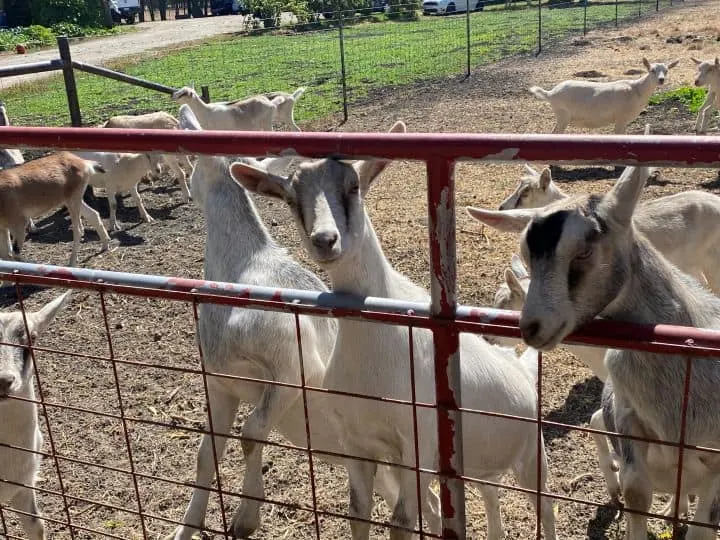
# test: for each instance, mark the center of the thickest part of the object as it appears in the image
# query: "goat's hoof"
(115, 227)
(149, 219)
(243, 526)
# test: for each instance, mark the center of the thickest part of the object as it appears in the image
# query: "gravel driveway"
(149, 35)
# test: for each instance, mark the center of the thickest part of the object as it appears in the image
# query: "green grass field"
(379, 56)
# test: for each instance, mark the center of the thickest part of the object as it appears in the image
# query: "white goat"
(123, 173)
(257, 344)
(708, 74)
(157, 120)
(327, 199)
(684, 227)
(252, 114)
(592, 104)
(285, 110)
(39, 186)
(587, 259)
(19, 428)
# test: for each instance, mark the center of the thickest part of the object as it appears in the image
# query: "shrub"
(404, 10)
(80, 12)
(269, 10)
(690, 96)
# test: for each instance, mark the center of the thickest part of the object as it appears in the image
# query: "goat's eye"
(584, 254)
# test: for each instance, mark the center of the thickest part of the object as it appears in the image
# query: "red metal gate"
(443, 316)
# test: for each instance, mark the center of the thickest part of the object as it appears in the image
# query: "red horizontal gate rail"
(442, 315)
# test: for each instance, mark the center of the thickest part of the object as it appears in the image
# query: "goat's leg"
(223, 407)
(30, 519)
(495, 528)
(704, 113)
(360, 474)
(636, 485)
(526, 474)
(406, 509)
(607, 464)
(708, 511)
(140, 206)
(74, 211)
(266, 414)
(17, 231)
(112, 204)
(174, 164)
(94, 219)
(31, 226)
(387, 487)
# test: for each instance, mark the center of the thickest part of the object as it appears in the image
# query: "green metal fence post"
(343, 73)
(539, 27)
(585, 18)
(467, 37)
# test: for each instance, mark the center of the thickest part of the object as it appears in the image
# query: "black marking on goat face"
(544, 233)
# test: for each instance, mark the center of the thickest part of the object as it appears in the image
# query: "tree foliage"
(81, 12)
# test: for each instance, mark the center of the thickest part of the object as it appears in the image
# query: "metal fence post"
(343, 73)
(585, 18)
(467, 37)
(446, 339)
(657, 5)
(69, 76)
(639, 8)
(205, 92)
(616, 13)
(539, 26)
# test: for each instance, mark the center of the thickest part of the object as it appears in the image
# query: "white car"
(444, 7)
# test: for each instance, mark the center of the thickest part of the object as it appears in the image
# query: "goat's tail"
(539, 92)
(297, 93)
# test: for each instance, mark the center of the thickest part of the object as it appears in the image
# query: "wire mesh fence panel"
(499, 32)
(385, 57)
(562, 19)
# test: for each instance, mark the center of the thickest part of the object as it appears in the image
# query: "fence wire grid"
(350, 58)
(122, 405)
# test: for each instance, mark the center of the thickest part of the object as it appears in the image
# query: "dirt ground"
(161, 334)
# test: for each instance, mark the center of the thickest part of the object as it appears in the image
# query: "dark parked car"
(227, 7)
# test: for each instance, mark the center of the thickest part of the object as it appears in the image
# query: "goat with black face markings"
(327, 198)
(599, 264)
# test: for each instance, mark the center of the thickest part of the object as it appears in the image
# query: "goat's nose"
(529, 329)
(324, 240)
(6, 383)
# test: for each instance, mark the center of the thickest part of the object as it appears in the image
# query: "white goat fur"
(157, 120)
(708, 74)
(372, 359)
(590, 104)
(511, 295)
(123, 173)
(684, 227)
(19, 427)
(255, 113)
(39, 186)
(619, 275)
(257, 344)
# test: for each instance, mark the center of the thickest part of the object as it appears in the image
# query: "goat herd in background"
(588, 256)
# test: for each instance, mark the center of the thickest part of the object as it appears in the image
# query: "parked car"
(446, 7)
(115, 12)
(227, 7)
(129, 10)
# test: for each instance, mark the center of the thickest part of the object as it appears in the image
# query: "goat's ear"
(514, 284)
(619, 203)
(503, 220)
(518, 267)
(673, 63)
(40, 320)
(187, 119)
(545, 178)
(646, 63)
(696, 61)
(257, 179)
(530, 170)
(369, 169)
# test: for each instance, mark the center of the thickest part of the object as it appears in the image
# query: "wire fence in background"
(347, 59)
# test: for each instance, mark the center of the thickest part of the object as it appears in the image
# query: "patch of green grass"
(378, 56)
(690, 96)
(37, 36)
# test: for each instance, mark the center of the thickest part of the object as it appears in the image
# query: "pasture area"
(381, 58)
(494, 99)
